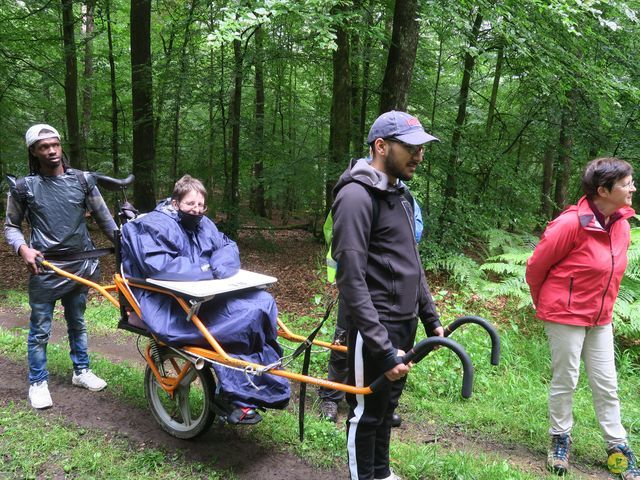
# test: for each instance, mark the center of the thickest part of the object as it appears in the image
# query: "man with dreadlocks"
(54, 199)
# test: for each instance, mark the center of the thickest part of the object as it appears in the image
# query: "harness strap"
(306, 347)
(69, 257)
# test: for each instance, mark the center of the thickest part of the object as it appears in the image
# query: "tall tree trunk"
(87, 90)
(177, 105)
(339, 136)
(114, 97)
(356, 90)
(257, 197)
(212, 132)
(144, 166)
(71, 85)
(366, 73)
(434, 106)
(450, 188)
(564, 154)
(401, 58)
(494, 90)
(223, 124)
(236, 104)
(547, 182)
(163, 82)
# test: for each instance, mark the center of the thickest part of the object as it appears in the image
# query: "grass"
(508, 405)
(32, 446)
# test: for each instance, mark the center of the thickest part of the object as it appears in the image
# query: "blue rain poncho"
(157, 246)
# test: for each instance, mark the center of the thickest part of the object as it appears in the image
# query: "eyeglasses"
(412, 149)
(192, 205)
(627, 185)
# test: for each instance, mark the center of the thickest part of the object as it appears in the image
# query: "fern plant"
(508, 269)
(626, 314)
(502, 274)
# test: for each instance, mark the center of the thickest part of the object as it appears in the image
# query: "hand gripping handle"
(422, 349)
(491, 330)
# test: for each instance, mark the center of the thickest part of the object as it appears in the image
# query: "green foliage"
(502, 274)
(626, 313)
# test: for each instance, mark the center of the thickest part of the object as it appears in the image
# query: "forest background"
(266, 101)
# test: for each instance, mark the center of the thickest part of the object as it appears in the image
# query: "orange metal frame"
(216, 353)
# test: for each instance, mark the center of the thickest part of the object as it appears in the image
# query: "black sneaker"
(396, 420)
(329, 410)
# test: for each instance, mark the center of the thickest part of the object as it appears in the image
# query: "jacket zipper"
(570, 291)
(604, 293)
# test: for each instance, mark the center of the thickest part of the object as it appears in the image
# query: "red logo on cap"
(413, 122)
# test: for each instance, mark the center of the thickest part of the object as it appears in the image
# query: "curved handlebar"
(422, 348)
(491, 330)
(114, 184)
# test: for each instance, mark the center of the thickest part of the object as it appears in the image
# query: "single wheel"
(189, 413)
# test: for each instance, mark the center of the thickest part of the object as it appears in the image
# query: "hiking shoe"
(244, 416)
(396, 420)
(87, 379)
(558, 456)
(39, 395)
(392, 476)
(622, 461)
(329, 410)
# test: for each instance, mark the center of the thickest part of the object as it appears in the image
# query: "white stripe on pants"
(568, 344)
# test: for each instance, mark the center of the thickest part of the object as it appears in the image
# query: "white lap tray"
(207, 289)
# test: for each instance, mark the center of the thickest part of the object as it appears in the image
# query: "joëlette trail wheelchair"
(179, 384)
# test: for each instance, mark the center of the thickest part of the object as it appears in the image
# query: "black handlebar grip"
(491, 330)
(114, 184)
(422, 349)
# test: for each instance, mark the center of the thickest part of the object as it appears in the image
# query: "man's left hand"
(438, 332)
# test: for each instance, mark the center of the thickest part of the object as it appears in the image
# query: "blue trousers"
(74, 303)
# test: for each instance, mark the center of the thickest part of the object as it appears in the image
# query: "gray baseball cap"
(39, 132)
(401, 126)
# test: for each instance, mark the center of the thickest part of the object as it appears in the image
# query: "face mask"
(189, 221)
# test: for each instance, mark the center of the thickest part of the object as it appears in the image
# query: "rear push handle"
(424, 347)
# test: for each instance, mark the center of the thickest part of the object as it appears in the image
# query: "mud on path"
(294, 262)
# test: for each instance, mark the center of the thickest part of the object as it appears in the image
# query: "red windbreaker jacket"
(575, 271)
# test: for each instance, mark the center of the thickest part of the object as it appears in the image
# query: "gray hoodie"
(380, 276)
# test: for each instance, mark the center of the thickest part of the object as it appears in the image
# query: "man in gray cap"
(381, 283)
(54, 199)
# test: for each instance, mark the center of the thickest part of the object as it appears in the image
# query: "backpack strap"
(82, 180)
(375, 208)
(409, 198)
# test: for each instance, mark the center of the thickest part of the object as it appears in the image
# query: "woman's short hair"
(603, 172)
(185, 185)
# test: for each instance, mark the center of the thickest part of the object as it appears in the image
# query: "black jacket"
(380, 276)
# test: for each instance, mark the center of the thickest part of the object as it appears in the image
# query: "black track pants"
(369, 421)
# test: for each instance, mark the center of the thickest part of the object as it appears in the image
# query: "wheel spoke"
(182, 402)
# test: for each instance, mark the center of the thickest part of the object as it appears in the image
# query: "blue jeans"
(74, 304)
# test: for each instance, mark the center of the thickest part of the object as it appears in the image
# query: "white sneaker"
(39, 395)
(87, 379)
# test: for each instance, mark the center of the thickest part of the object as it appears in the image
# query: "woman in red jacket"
(574, 276)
